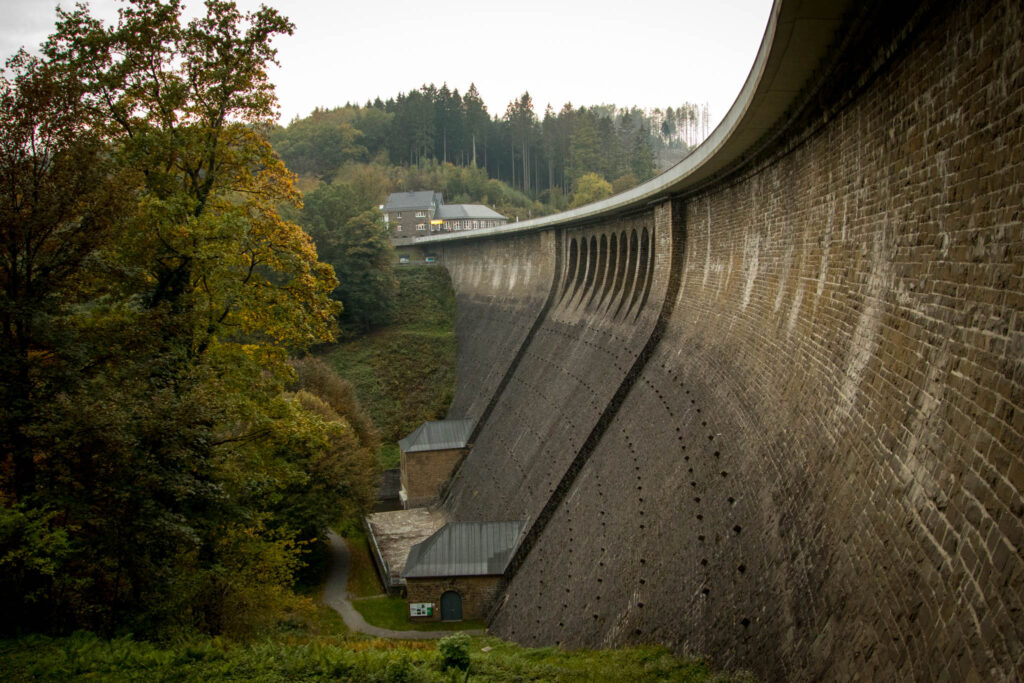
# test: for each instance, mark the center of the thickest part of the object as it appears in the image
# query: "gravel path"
(336, 596)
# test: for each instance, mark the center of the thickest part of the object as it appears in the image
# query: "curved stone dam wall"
(775, 413)
(500, 287)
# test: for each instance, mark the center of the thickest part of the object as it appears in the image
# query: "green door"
(451, 606)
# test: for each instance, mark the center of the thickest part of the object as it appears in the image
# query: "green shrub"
(455, 651)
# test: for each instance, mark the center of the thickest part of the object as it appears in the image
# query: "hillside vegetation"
(404, 372)
(333, 659)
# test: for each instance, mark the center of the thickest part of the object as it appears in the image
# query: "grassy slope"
(363, 581)
(392, 612)
(314, 659)
(404, 373)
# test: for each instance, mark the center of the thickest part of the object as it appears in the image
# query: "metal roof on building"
(453, 211)
(438, 436)
(411, 201)
(465, 549)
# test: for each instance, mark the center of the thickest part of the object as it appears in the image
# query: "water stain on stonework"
(794, 311)
(707, 249)
(785, 269)
(751, 248)
(864, 341)
(826, 245)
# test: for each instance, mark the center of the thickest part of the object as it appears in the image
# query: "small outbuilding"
(456, 573)
(429, 455)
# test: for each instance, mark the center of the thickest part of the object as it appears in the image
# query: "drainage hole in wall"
(704, 562)
(737, 528)
(745, 622)
(700, 518)
(701, 539)
(742, 568)
(705, 592)
(732, 501)
(724, 474)
(696, 500)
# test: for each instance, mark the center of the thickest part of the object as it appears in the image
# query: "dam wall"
(794, 441)
(599, 316)
(501, 287)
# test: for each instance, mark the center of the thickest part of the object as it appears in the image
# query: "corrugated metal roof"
(409, 201)
(452, 211)
(438, 436)
(465, 549)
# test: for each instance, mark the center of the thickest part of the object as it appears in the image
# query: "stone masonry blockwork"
(817, 472)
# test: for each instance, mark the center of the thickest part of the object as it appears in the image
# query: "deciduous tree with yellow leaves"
(153, 468)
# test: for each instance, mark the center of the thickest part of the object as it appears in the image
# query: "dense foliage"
(542, 158)
(404, 373)
(155, 476)
(351, 237)
(331, 659)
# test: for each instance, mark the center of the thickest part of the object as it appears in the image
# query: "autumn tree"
(152, 296)
(590, 188)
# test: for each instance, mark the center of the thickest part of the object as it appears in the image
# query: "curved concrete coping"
(797, 38)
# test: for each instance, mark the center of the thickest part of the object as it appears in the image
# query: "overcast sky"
(648, 53)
